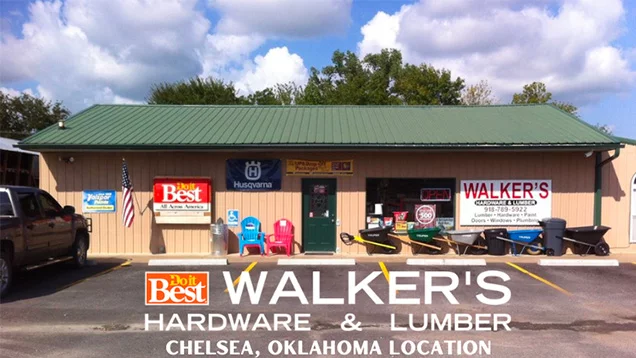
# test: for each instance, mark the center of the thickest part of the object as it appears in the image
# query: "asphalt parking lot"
(99, 311)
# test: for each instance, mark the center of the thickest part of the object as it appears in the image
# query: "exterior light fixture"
(67, 160)
(589, 154)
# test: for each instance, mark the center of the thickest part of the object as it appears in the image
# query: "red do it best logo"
(177, 288)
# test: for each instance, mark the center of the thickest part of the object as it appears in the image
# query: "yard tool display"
(529, 241)
(586, 238)
(421, 239)
(468, 239)
(372, 238)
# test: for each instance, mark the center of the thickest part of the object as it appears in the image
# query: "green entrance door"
(319, 215)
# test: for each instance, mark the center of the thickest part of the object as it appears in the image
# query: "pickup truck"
(35, 231)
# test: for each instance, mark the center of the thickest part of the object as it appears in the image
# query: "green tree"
(479, 94)
(195, 91)
(536, 92)
(24, 115)
(379, 79)
(423, 84)
(266, 97)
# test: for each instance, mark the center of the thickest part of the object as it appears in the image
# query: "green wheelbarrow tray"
(425, 234)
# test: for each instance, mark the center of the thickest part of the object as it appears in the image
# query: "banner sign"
(319, 167)
(182, 200)
(504, 202)
(99, 201)
(253, 175)
(435, 194)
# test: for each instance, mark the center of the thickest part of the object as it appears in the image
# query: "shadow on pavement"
(54, 278)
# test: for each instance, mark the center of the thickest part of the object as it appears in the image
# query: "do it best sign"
(504, 202)
(182, 200)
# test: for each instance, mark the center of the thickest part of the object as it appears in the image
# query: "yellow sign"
(319, 167)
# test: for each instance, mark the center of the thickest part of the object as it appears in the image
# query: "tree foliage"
(24, 115)
(195, 91)
(536, 92)
(604, 128)
(479, 94)
(377, 79)
(380, 79)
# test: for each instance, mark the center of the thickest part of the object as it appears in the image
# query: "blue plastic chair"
(251, 235)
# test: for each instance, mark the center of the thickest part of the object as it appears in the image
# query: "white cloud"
(224, 52)
(15, 93)
(511, 44)
(82, 49)
(111, 51)
(277, 66)
(283, 18)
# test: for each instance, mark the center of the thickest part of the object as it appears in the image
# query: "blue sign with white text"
(99, 201)
(232, 217)
(253, 175)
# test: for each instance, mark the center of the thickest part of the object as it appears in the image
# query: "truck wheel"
(80, 249)
(6, 274)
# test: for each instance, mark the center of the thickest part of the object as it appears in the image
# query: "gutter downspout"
(598, 183)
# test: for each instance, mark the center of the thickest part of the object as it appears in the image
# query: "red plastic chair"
(283, 236)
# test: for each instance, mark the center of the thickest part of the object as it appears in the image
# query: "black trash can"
(496, 246)
(553, 231)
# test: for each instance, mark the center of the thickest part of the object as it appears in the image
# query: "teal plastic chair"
(251, 235)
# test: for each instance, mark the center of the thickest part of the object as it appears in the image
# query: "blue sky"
(110, 51)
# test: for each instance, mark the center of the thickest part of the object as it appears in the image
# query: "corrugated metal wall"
(572, 178)
(616, 199)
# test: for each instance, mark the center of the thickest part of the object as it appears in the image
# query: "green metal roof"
(153, 127)
(625, 140)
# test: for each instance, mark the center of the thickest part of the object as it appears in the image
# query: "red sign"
(177, 288)
(435, 194)
(425, 216)
(182, 200)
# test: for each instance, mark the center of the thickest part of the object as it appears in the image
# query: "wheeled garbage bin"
(553, 231)
(495, 245)
(218, 239)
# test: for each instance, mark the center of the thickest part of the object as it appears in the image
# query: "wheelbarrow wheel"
(532, 251)
(602, 249)
(479, 242)
(386, 250)
(416, 249)
(549, 252)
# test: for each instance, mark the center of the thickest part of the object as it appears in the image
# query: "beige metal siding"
(616, 199)
(572, 178)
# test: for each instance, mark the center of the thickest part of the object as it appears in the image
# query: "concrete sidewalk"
(235, 258)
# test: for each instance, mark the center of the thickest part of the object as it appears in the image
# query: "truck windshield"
(5, 204)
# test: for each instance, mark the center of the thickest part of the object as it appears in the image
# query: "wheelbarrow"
(588, 238)
(372, 238)
(421, 239)
(468, 239)
(528, 240)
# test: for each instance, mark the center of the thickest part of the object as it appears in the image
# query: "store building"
(325, 169)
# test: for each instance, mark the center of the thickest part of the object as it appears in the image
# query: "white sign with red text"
(182, 200)
(520, 202)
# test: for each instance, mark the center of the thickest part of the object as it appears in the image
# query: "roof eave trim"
(354, 147)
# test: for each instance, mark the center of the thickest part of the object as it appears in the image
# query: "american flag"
(127, 189)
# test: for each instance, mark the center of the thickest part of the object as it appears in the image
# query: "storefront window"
(426, 202)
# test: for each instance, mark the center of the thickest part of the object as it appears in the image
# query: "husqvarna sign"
(253, 174)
